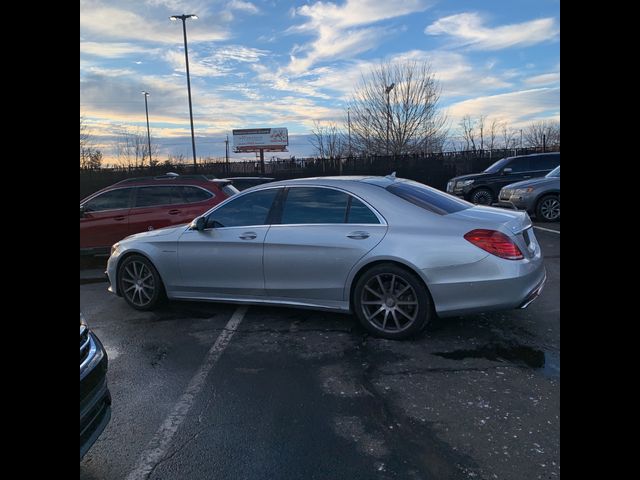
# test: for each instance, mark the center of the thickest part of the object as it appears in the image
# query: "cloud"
(468, 30)
(113, 50)
(457, 76)
(119, 23)
(337, 31)
(544, 79)
(517, 108)
(238, 53)
(219, 63)
(247, 7)
(359, 12)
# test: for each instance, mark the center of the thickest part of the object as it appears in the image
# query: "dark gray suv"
(482, 188)
(539, 196)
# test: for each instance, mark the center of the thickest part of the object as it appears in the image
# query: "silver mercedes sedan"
(393, 251)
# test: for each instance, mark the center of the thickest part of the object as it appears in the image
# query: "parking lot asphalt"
(304, 394)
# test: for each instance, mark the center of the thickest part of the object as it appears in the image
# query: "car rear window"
(195, 194)
(428, 198)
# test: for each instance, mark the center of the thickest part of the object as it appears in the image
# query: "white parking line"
(157, 447)
(547, 229)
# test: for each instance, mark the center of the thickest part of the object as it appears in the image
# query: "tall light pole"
(186, 57)
(387, 90)
(146, 108)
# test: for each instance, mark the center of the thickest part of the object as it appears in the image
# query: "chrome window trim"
(108, 191)
(379, 216)
(228, 200)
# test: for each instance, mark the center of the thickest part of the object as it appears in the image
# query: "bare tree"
(401, 99)
(328, 141)
(492, 138)
(468, 127)
(133, 150)
(508, 136)
(90, 157)
(84, 134)
(481, 121)
(543, 132)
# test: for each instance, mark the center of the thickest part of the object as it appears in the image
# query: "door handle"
(526, 176)
(358, 235)
(174, 212)
(248, 236)
(119, 219)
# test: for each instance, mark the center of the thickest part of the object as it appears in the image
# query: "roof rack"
(166, 176)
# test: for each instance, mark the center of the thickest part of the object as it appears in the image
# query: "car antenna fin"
(391, 176)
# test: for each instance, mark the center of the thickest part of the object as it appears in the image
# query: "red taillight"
(494, 242)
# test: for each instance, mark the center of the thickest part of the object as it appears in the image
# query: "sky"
(276, 63)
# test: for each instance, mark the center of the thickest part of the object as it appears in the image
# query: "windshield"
(495, 168)
(554, 173)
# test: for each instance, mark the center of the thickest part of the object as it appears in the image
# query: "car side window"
(195, 194)
(158, 195)
(545, 162)
(250, 209)
(360, 213)
(307, 205)
(518, 165)
(111, 200)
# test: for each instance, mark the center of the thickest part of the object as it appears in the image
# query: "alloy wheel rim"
(550, 209)
(389, 303)
(138, 283)
(482, 198)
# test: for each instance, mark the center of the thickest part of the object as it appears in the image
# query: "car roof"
(249, 178)
(536, 155)
(338, 180)
(162, 180)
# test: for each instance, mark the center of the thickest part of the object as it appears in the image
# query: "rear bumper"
(535, 293)
(492, 284)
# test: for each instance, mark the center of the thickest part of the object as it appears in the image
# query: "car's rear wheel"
(548, 208)
(140, 283)
(482, 196)
(391, 302)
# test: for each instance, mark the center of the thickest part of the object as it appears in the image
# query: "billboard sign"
(254, 139)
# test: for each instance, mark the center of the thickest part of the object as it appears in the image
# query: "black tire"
(548, 208)
(399, 297)
(139, 283)
(481, 196)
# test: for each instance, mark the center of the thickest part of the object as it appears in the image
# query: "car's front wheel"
(140, 283)
(391, 302)
(482, 196)
(548, 208)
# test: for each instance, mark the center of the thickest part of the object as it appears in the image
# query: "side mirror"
(199, 224)
(81, 211)
(507, 170)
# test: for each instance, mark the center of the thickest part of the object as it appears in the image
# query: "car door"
(321, 234)
(225, 259)
(104, 218)
(155, 206)
(514, 171)
(542, 164)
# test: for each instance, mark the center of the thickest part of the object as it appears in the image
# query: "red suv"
(139, 204)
